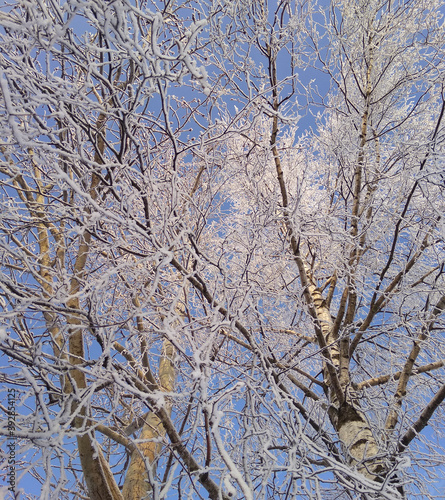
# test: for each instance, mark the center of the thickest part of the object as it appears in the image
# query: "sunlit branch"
(115, 436)
(298, 334)
(383, 379)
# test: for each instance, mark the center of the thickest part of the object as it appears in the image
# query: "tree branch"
(407, 369)
(423, 420)
(372, 382)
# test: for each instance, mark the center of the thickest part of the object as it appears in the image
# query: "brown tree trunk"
(137, 485)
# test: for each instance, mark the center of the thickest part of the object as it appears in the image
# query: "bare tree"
(198, 297)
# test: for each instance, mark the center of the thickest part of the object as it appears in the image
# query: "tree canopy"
(222, 249)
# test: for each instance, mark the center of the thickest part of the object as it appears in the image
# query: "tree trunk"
(137, 482)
